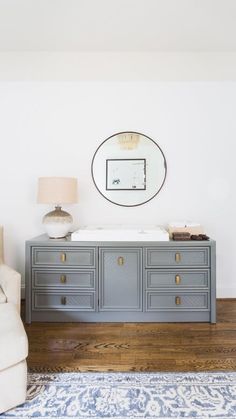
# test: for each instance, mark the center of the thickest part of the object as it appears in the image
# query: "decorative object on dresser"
(185, 227)
(57, 191)
(114, 280)
(13, 339)
(188, 236)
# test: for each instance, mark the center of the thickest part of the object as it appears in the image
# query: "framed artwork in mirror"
(125, 174)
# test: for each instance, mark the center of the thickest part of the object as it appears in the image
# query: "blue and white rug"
(128, 395)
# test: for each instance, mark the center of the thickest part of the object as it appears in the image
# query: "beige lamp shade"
(57, 190)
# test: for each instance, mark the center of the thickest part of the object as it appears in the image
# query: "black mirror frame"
(129, 132)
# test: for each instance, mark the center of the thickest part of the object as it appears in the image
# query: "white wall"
(113, 66)
(54, 127)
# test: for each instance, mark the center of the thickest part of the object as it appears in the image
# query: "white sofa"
(13, 339)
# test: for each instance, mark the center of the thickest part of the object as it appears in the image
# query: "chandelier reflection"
(128, 141)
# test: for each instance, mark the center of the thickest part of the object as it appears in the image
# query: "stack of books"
(181, 236)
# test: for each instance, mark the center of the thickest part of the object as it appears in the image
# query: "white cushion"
(13, 339)
(3, 298)
(13, 382)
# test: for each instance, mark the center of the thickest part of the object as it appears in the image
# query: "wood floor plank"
(136, 346)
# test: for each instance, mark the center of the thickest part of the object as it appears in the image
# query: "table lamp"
(57, 191)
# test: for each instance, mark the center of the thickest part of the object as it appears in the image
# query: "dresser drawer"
(80, 301)
(173, 257)
(63, 279)
(177, 279)
(177, 301)
(84, 257)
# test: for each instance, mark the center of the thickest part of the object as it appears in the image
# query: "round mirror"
(129, 169)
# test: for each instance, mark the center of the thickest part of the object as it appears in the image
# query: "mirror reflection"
(129, 168)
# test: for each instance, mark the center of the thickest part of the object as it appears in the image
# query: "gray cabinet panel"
(177, 279)
(63, 301)
(174, 301)
(63, 279)
(120, 279)
(64, 257)
(177, 257)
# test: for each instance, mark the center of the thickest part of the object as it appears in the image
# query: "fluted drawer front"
(63, 279)
(63, 301)
(83, 257)
(177, 301)
(178, 256)
(177, 279)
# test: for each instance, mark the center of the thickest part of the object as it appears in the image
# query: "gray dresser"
(69, 281)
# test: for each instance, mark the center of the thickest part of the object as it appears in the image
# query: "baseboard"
(226, 293)
(23, 291)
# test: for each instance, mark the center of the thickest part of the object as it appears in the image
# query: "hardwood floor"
(136, 346)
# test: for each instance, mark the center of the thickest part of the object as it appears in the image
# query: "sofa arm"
(10, 282)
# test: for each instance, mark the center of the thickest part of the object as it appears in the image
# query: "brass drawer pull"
(63, 301)
(63, 279)
(177, 279)
(120, 260)
(177, 257)
(63, 257)
(177, 301)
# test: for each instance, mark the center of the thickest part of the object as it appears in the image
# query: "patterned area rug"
(129, 395)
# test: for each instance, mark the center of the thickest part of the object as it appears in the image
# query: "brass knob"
(63, 257)
(177, 257)
(120, 260)
(63, 301)
(177, 279)
(63, 279)
(177, 301)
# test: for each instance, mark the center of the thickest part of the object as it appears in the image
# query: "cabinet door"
(120, 279)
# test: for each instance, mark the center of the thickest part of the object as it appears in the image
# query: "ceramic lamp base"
(57, 223)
